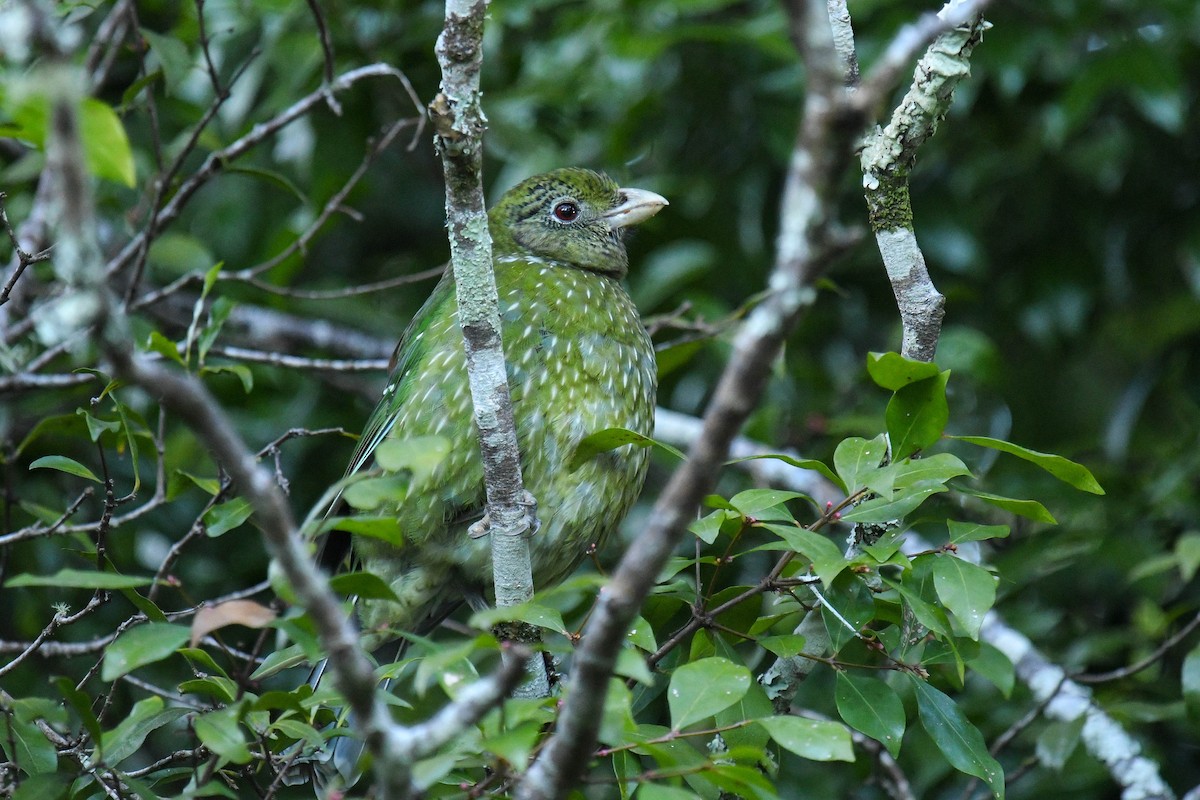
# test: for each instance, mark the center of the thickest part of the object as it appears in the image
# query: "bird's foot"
(483, 527)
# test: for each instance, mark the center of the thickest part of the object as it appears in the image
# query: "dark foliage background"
(1058, 206)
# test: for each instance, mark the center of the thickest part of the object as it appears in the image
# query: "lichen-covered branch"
(459, 123)
(888, 156)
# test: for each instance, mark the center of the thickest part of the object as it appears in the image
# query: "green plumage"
(578, 362)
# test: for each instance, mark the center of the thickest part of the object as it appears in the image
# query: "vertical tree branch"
(459, 122)
(888, 156)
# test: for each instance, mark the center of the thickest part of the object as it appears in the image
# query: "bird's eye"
(566, 211)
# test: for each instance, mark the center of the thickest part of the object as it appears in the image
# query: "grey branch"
(804, 247)
(459, 122)
(890, 152)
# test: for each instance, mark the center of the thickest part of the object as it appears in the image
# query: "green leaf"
(754, 502)
(708, 527)
(239, 371)
(940, 468)
(105, 145)
(124, 740)
(826, 558)
(96, 427)
(855, 457)
(157, 343)
(883, 509)
(531, 612)
(960, 742)
(419, 455)
(893, 371)
(799, 463)
(225, 517)
(44, 786)
(1065, 470)
(1191, 682)
(967, 590)
(64, 464)
(368, 494)
(784, 646)
(974, 532)
(142, 645)
(916, 415)
(26, 746)
(221, 732)
(80, 579)
(81, 703)
(1030, 509)
(641, 635)
(608, 439)
(995, 667)
(927, 614)
(1057, 741)
(871, 706)
(217, 316)
(702, 688)
(385, 528)
(173, 58)
(362, 584)
(814, 739)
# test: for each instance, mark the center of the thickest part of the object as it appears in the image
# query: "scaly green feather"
(578, 362)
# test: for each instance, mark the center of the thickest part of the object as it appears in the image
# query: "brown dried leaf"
(232, 612)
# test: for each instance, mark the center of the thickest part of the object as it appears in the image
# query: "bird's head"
(572, 215)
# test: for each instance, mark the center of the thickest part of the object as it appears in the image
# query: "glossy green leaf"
(855, 457)
(1064, 469)
(872, 707)
(967, 590)
(882, 509)
(123, 741)
(702, 688)
(531, 612)
(226, 516)
(64, 464)
(1030, 509)
(240, 371)
(753, 502)
(974, 532)
(708, 527)
(959, 741)
(800, 463)
(826, 557)
(814, 739)
(26, 746)
(221, 732)
(608, 439)
(366, 585)
(927, 614)
(80, 579)
(157, 343)
(44, 786)
(141, 645)
(893, 371)
(916, 415)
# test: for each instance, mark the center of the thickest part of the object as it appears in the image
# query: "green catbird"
(578, 361)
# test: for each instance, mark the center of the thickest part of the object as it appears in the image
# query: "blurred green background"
(1058, 208)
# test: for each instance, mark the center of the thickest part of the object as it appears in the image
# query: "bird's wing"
(409, 353)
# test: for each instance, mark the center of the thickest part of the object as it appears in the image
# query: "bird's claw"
(483, 526)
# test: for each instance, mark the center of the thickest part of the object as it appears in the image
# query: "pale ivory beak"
(637, 206)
